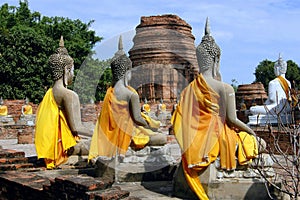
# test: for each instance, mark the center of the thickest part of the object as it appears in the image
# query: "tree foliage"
(264, 73)
(92, 79)
(27, 39)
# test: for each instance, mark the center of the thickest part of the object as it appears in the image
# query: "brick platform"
(13, 160)
(25, 184)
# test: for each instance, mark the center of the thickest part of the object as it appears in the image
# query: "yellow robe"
(115, 129)
(27, 110)
(203, 135)
(163, 107)
(285, 86)
(146, 107)
(53, 136)
(3, 110)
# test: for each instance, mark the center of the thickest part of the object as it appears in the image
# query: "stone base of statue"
(239, 184)
(152, 163)
(6, 120)
(269, 119)
(28, 120)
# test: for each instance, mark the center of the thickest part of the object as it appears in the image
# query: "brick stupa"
(165, 53)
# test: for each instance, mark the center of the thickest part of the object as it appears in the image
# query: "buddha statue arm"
(231, 117)
(134, 106)
(271, 93)
(72, 108)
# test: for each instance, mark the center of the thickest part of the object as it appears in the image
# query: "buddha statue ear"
(65, 76)
(127, 77)
(216, 70)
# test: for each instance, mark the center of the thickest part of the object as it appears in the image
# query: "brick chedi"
(252, 94)
(165, 53)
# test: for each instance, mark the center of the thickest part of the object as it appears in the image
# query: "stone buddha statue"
(59, 129)
(146, 107)
(5, 119)
(277, 103)
(121, 124)
(26, 108)
(27, 117)
(121, 121)
(206, 126)
(3, 108)
(161, 107)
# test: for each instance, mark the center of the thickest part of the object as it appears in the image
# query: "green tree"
(27, 39)
(264, 73)
(91, 76)
(234, 84)
(104, 83)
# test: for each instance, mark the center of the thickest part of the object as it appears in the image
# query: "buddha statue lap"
(207, 128)
(278, 102)
(59, 130)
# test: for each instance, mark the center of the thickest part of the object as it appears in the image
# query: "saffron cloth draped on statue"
(3, 110)
(27, 110)
(203, 135)
(285, 86)
(53, 136)
(115, 129)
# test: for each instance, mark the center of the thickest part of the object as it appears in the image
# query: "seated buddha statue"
(3, 108)
(277, 103)
(26, 108)
(59, 130)
(161, 107)
(146, 107)
(205, 123)
(121, 121)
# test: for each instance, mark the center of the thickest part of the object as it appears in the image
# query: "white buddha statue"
(277, 103)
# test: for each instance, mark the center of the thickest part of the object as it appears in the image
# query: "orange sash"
(285, 86)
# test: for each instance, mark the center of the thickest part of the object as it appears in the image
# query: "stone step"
(131, 198)
(9, 153)
(17, 160)
(16, 185)
(9, 167)
(109, 194)
(81, 183)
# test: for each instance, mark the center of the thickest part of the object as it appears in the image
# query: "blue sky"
(246, 31)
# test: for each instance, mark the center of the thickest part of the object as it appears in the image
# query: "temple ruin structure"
(164, 57)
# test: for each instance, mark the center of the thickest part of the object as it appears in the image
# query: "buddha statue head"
(120, 63)
(280, 66)
(61, 64)
(26, 101)
(208, 53)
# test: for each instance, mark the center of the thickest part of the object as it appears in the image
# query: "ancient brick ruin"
(251, 94)
(164, 56)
